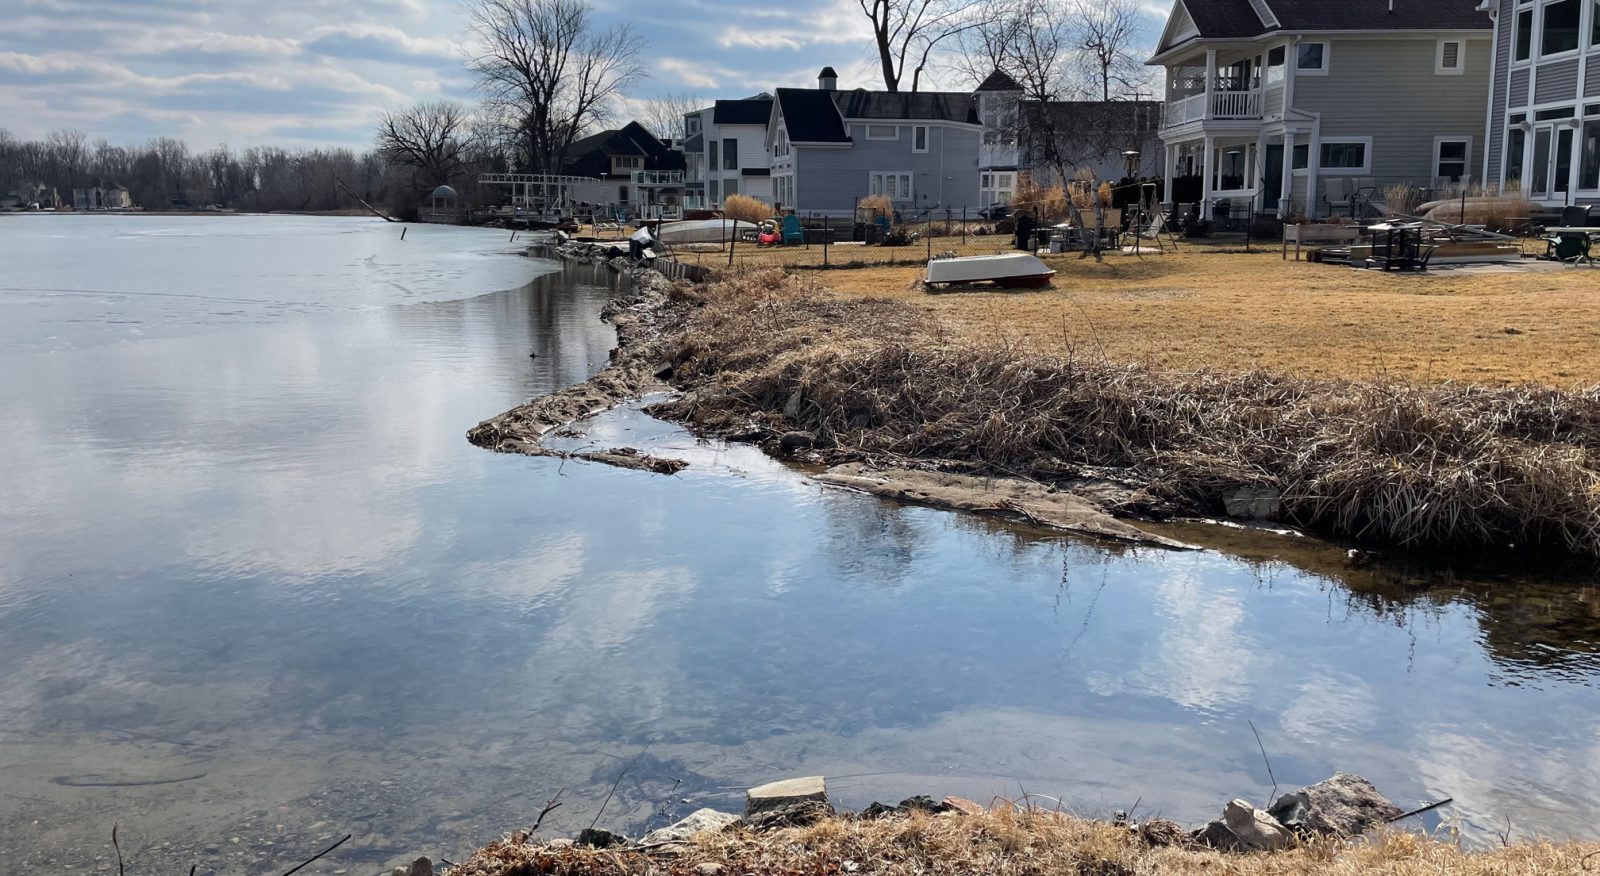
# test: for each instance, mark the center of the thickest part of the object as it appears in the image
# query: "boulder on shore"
(1344, 805)
(1244, 828)
(699, 821)
(780, 795)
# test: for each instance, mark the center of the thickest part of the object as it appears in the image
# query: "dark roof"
(942, 106)
(591, 155)
(1376, 14)
(827, 71)
(752, 111)
(999, 80)
(810, 116)
(1233, 19)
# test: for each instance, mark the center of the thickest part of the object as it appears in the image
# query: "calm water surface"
(257, 591)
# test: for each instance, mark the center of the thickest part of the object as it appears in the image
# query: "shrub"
(746, 209)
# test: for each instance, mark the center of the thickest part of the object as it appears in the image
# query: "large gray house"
(1287, 105)
(1544, 105)
(830, 148)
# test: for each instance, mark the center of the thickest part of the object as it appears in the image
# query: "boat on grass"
(1012, 271)
(702, 231)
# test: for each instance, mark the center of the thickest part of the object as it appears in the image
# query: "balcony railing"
(658, 177)
(1212, 105)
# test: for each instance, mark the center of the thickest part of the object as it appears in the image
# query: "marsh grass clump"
(1011, 841)
(1415, 465)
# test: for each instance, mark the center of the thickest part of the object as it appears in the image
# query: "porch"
(1234, 176)
(1239, 86)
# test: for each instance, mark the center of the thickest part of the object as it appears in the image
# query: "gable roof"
(810, 116)
(591, 155)
(933, 106)
(750, 111)
(999, 80)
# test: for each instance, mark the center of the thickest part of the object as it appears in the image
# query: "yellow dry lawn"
(1239, 311)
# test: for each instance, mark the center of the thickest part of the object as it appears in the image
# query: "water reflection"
(264, 553)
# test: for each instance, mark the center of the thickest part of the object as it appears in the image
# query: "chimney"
(828, 80)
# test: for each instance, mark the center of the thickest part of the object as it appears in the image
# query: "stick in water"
(321, 853)
(116, 846)
(1419, 810)
(1265, 758)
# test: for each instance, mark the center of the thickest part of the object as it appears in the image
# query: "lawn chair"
(1569, 246)
(793, 234)
(1336, 194)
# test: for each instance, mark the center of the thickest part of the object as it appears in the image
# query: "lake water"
(257, 591)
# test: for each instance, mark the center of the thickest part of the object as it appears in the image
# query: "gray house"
(1286, 105)
(830, 148)
(1544, 105)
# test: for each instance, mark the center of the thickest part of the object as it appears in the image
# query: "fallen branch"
(1419, 810)
(320, 854)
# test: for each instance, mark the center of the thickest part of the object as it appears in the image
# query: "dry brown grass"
(1240, 311)
(746, 209)
(1010, 842)
(1418, 465)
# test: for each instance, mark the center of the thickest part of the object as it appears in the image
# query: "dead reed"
(744, 208)
(1012, 841)
(1422, 466)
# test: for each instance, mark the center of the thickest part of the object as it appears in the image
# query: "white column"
(1211, 81)
(1258, 174)
(1314, 172)
(1207, 171)
(1171, 167)
(1286, 198)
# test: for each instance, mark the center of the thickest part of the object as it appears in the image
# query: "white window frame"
(1537, 50)
(1366, 154)
(1461, 58)
(1327, 58)
(875, 184)
(927, 137)
(1438, 143)
(894, 128)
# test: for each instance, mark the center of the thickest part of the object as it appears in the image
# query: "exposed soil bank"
(763, 356)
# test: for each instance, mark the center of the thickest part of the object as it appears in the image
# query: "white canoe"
(701, 230)
(1016, 269)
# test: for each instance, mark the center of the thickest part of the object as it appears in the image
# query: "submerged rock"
(919, 803)
(795, 442)
(699, 821)
(1344, 805)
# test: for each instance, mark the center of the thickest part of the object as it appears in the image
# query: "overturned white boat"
(1015, 270)
(702, 231)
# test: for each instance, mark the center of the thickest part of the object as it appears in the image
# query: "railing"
(1236, 105)
(658, 177)
(1189, 109)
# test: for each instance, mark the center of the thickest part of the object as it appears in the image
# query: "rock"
(776, 795)
(963, 806)
(698, 821)
(791, 408)
(1159, 832)
(1217, 836)
(1253, 503)
(797, 814)
(1344, 805)
(422, 867)
(708, 869)
(795, 442)
(600, 838)
(1255, 829)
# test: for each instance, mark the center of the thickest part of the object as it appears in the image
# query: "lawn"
(1235, 311)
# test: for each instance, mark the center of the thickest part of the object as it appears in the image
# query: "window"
(919, 138)
(1346, 155)
(730, 187)
(1523, 48)
(1302, 156)
(692, 125)
(1450, 61)
(1312, 58)
(1594, 27)
(713, 192)
(713, 164)
(1516, 142)
(896, 185)
(1589, 166)
(1565, 112)
(730, 154)
(1450, 158)
(883, 132)
(1231, 169)
(1276, 58)
(1560, 31)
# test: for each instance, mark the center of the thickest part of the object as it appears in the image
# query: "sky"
(309, 73)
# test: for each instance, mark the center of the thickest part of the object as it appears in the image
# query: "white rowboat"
(701, 231)
(1014, 270)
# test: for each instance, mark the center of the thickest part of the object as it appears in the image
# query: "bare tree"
(550, 68)
(1107, 34)
(663, 114)
(908, 32)
(429, 139)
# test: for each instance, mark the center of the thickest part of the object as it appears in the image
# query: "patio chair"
(793, 234)
(1336, 195)
(1568, 246)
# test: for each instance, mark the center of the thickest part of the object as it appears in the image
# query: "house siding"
(1493, 155)
(1557, 80)
(1519, 87)
(831, 180)
(1360, 98)
(1591, 87)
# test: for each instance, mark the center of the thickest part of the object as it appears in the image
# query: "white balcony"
(658, 177)
(1235, 105)
(1212, 104)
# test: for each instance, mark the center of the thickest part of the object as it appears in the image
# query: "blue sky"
(318, 72)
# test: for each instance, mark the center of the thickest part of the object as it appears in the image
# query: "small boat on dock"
(1012, 271)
